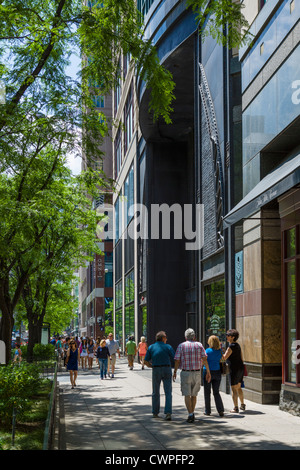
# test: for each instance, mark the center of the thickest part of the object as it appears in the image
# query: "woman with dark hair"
(73, 357)
(234, 356)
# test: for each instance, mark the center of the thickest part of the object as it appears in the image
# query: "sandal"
(235, 410)
(243, 407)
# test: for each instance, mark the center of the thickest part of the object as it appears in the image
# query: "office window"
(144, 6)
(129, 196)
(117, 92)
(128, 119)
(118, 219)
(108, 269)
(118, 153)
(98, 101)
(126, 65)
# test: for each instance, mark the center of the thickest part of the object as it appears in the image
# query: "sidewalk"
(115, 414)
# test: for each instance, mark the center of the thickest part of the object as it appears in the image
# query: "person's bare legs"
(190, 403)
(237, 393)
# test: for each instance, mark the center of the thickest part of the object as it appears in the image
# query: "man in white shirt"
(113, 347)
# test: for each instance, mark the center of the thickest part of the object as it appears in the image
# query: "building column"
(258, 308)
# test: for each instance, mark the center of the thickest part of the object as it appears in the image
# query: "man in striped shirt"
(189, 357)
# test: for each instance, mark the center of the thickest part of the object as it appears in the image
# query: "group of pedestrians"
(195, 363)
(132, 349)
(82, 351)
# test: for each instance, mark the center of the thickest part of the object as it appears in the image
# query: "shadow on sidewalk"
(118, 423)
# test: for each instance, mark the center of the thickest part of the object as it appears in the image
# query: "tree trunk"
(6, 328)
(34, 333)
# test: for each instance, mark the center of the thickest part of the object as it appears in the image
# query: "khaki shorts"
(190, 382)
(112, 361)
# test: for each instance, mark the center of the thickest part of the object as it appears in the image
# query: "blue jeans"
(215, 385)
(103, 367)
(164, 375)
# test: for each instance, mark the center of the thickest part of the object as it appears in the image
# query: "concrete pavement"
(115, 415)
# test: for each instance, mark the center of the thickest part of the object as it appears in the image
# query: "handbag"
(224, 368)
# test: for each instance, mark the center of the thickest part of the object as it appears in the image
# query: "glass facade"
(275, 31)
(144, 6)
(272, 110)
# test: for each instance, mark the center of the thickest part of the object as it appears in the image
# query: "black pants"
(215, 385)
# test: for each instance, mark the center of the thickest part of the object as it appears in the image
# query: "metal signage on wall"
(239, 272)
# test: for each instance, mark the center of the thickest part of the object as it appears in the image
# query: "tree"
(44, 117)
(223, 20)
(68, 221)
(67, 243)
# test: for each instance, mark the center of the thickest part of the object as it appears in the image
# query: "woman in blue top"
(214, 355)
(102, 356)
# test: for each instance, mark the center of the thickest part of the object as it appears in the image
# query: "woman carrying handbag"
(234, 355)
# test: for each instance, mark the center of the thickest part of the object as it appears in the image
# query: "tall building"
(125, 139)
(233, 150)
(162, 282)
(96, 278)
(266, 221)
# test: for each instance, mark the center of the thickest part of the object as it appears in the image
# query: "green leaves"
(217, 16)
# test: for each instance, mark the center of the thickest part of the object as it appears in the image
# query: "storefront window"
(215, 319)
(291, 318)
(129, 287)
(118, 295)
(291, 243)
(144, 321)
(129, 321)
(129, 305)
(291, 314)
(119, 327)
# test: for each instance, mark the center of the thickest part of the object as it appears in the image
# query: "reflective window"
(214, 302)
(119, 326)
(118, 219)
(291, 304)
(98, 101)
(118, 295)
(129, 196)
(273, 109)
(276, 30)
(144, 6)
(118, 153)
(128, 119)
